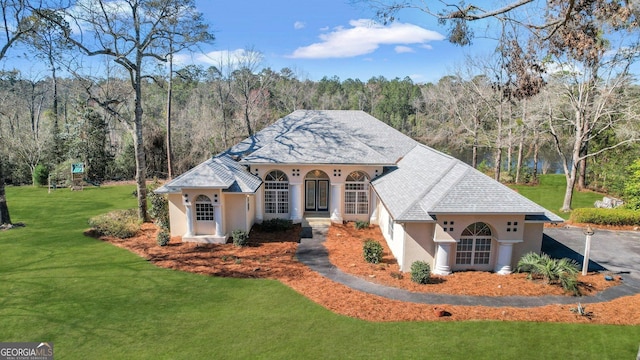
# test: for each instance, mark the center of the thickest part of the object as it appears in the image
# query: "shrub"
(561, 271)
(420, 272)
(119, 223)
(599, 216)
(40, 175)
(359, 224)
(159, 209)
(163, 238)
(372, 251)
(273, 225)
(240, 237)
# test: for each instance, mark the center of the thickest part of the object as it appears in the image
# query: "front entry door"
(316, 195)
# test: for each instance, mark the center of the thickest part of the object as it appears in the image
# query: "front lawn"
(94, 300)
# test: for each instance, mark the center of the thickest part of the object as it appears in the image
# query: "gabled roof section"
(219, 172)
(427, 183)
(325, 137)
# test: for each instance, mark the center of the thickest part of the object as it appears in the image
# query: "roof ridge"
(468, 168)
(349, 133)
(427, 190)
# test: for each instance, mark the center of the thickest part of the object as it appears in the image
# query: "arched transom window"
(474, 247)
(356, 193)
(276, 193)
(204, 208)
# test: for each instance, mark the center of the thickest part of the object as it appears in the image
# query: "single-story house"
(348, 166)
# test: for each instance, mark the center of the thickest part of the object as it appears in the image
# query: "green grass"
(550, 194)
(97, 301)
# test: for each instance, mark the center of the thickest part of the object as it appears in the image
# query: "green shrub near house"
(601, 216)
(372, 251)
(420, 272)
(273, 225)
(240, 237)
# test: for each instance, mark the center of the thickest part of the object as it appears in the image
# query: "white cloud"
(326, 28)
(298, 25)
(400, 49)
(221, 59)
(364, 37)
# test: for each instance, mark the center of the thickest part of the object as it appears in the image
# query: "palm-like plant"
(563, 271)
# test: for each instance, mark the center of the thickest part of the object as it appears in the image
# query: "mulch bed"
(272, 256)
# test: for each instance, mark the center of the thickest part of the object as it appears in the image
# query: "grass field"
(550, 194)
(97, 301)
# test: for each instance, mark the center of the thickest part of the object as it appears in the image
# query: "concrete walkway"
(313, 253)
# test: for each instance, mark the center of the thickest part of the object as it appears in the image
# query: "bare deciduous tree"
(135, 34)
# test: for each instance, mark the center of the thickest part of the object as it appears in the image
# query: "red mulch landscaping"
(272, 256)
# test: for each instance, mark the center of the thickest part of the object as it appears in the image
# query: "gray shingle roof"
(325, 137)
(221, 172)
(426, 183)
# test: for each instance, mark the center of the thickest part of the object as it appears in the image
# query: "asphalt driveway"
(616, 251)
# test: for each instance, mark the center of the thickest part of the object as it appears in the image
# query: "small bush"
(159, 209)
(420, 272)
(273, 225)
(163, 238)
(372, 251)
(40, 175)
(359, 224)
(119, 223)
(240, 237)
(598, 216)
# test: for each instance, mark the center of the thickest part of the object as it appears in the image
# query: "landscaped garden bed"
(272, 256)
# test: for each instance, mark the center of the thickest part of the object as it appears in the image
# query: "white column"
(296, 202)
(503, 265)
(259, 205)
(336, 202)
(442, 259)
(373, 202)
(189, 214)
(217, 215)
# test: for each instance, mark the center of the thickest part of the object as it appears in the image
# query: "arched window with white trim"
(204, 208)
(474, 247)
(356, 194)
(276, 193)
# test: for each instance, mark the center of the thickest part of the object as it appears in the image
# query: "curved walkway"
(313, 253)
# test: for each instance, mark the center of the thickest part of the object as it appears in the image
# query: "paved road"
(616, 251)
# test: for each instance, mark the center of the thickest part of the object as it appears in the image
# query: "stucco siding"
(392, 237)
(533, 233)
(177, 215)
(235, 206)
(419, 245)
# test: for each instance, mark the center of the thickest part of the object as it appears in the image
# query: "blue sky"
(330, 37)
(315, 38)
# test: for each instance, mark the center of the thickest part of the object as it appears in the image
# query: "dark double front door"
(316, 195)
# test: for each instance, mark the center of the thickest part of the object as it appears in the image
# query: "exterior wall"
(393, 233)
(419, 245)
(503, 228)
(235, 210)
(177, 215)
(178, 212)
(533, 233)
(251, 213)
(296, 175)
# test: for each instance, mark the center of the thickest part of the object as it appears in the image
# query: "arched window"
(474, 247)
(204, 208)
(276, 193)
(356, 193)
